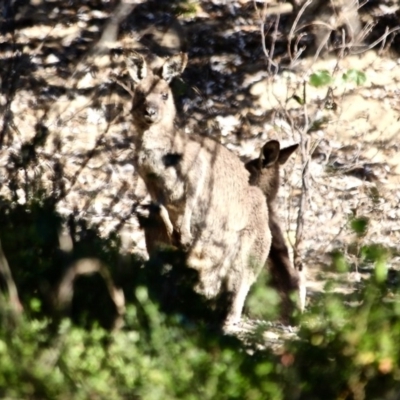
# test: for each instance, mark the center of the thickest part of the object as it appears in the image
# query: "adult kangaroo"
(202, 191)
(264, 173)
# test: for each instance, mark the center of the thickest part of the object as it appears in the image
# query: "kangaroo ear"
(174, 66)
(270, 153)
(286, 153)
(137, 67)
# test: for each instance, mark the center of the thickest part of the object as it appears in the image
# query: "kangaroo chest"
(159, 165)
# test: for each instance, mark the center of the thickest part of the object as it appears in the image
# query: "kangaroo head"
(264, 170)
(153, 102)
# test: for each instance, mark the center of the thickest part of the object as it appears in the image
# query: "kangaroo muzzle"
(150, 113)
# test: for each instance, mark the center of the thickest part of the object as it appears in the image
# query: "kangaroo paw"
(186, 239)
(167, 222)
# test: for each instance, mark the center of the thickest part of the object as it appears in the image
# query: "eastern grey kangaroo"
(264, 173)
(202, 191)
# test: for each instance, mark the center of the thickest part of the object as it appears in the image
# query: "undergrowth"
(347, 346)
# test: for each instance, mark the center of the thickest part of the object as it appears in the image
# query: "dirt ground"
(72, 105)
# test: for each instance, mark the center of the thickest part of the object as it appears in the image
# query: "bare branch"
(268, 54)
(6, 276)
(89, 266)
(293, 28)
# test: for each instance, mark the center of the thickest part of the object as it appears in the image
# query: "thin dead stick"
(110, 31)
(293, 28)
(6, 276)
(89, 266)
(272, 49)
(268, 54)
(305, 159)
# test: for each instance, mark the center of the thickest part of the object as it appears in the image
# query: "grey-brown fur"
(264, 173)
(219, 219)
(155, 233)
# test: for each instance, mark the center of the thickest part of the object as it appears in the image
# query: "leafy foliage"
(347, 346)
(352, 75)
(324, 78)
(321, 78)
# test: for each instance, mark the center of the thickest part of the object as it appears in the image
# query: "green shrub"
(347, 346)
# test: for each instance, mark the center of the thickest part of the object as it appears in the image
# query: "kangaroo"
(264, 173)
(202, 191)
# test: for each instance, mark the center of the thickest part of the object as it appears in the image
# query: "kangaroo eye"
(164, 96)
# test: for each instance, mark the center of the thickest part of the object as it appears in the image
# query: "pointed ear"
(286, 153)
(174, 66)
(270, 153)
(137, 67)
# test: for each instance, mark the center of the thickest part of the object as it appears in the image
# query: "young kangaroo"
(202, 191)
(264, 173)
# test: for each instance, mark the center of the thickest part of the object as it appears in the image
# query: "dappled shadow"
(48, 64)
(72, 271)
(64, 133)
(40, 255)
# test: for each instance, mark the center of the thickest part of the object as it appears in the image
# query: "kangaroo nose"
(151, 112)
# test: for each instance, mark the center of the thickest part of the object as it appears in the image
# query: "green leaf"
(374, 253)
(339, 261)
(359, 225)
(35, 305)
(298, 99)
(381, 271)
(321, 78)
(353, 75)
